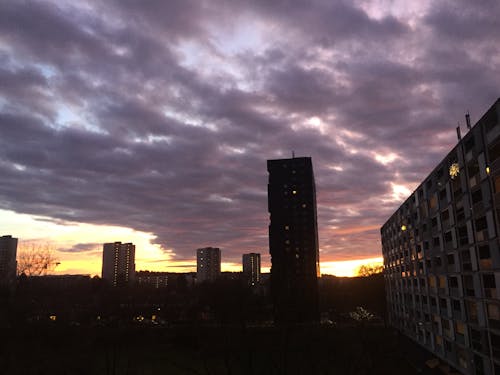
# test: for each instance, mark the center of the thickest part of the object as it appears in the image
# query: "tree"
(36, 259)
(370, 269)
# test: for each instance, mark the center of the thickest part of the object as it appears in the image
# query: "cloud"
(160, 117)
(82, 247)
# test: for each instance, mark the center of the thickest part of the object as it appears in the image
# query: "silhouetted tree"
(36, 259)
(370, 269)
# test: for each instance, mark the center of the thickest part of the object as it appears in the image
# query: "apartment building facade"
(118, 263)
(208, 264)
(442, 255)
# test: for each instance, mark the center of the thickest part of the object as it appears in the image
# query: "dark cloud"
(81, 247)
(160, 117)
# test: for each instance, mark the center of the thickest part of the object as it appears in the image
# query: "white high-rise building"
(118, 263)
(251, 268)
(207, 264)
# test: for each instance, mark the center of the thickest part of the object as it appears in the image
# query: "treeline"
(91, 301)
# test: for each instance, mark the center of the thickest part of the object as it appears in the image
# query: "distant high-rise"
(293, 240)
(118, 263)
(251, 268)
(8, 264)
(155, 280)
(207, 264)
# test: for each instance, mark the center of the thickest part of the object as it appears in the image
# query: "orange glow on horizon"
(149, 256)
(347, 268)
(92, 266)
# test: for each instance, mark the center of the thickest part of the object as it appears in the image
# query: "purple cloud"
(160, 117)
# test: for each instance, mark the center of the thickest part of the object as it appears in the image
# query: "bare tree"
(36, 259)
(370, 269)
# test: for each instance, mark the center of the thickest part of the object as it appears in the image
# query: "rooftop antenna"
(467, 119)
(293, 154)
(459, 135)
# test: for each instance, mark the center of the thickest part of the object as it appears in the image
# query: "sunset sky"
(151, 122)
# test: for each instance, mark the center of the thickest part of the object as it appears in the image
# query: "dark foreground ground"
(205, 351)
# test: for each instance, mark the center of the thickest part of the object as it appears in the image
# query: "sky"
(151, 122)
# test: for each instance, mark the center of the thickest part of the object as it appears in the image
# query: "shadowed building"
(293, 240)
(442, 254)
(8, 264)
(118, 263)
(151, 279)
(207, 264)
(251, 268)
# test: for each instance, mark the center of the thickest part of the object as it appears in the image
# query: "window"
(497, 184)
(451, 259)
(477, 196)
(445, 215)
(469, 144)
(469, 286)
(481, 224)
(433, 202)
(432, 281)
(494, 152)
(442, 194)
(485, 261)
(446, 327)
(448, 237)
(484, 252)
(493, 311)
(463, 236)
(442, 282)
(436, 242)
(428, 264)
(489, 281)
(434, 222)
(472, 310)
(453, 282)
(460, 213)
(473, 168)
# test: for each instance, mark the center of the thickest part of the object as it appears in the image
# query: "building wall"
(293, 239)
(442, 256)
(208, 264)
(251, 268)
(8, 264)
(152, 279)
(118, 263)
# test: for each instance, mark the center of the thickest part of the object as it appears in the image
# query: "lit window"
(287, 227)
(294, 192)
